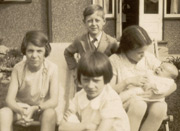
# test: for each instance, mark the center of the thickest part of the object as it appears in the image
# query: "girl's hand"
(23, 120)
(29, 112)
(26, 116)
(22, 111)
(137, 80)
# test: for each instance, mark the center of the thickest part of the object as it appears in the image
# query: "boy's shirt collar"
(98, 37)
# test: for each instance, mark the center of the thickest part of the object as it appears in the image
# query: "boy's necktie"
(95, 42)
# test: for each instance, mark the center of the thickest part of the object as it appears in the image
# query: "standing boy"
(94, 40)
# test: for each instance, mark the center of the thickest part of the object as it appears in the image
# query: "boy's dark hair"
(133, 37)
(37, 38)
(91, 9)
(94, 64)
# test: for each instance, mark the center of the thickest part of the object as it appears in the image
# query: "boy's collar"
(97, 37)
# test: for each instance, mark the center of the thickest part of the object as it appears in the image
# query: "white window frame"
(110, 15)
(169, 15)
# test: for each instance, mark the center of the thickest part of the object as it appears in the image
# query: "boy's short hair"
(37, 38)
(94, 64)
(91, 9)
(133, 37)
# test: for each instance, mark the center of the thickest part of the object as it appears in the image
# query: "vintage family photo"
(89, 65)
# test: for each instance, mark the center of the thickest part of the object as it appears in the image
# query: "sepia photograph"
(89, 65)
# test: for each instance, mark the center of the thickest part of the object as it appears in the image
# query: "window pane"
(173, 7)
(108, 6)
(151, 6)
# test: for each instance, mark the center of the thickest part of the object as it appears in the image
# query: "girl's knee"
(49, 114)
(7, 112)
(137, 107)
(48, 120)
(6, 118)
(158, 110)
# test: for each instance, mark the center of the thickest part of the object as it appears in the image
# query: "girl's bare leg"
(156, 113)
(6, 119)
(48, 120)
(136, 112)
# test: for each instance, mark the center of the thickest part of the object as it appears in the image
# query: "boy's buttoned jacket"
(107, 45)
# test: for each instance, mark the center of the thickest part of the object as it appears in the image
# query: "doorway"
(145, 13)
(130, 13)
(151, 17)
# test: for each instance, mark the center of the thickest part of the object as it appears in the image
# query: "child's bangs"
(95, 64)
(92, 69)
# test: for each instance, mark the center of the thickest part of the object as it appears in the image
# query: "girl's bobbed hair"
(94, 64)
(133, 37)
(37, 38)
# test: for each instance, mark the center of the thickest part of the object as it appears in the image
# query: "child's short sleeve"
(113, 110)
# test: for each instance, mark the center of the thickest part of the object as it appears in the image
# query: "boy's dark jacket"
(107, 45)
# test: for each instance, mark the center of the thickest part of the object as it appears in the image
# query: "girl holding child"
(131, 58)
